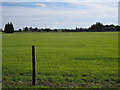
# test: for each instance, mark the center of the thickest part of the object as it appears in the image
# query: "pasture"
(70, 59)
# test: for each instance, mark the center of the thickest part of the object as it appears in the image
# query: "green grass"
(79, 59)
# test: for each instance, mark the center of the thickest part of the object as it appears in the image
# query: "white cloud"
(92, 11)
(60, 0)
(55, 17)
(40, 4)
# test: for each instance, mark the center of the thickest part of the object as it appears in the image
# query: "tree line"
(98, 27)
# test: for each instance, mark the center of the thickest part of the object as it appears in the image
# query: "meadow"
(69, 59)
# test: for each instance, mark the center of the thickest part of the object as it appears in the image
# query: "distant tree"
(39, 30)
(117, 28)
(47, 30)
(36, 29)
(25, 29)
(92, 28)
(9, 28)
(98, 27)
(106, 25)
(19, 30)
(55, 30)
(30, 29)
(112, 25)
(77, 29)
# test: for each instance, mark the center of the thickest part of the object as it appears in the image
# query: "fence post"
(33, 66)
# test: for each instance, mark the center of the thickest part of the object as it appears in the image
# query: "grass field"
(79, 59)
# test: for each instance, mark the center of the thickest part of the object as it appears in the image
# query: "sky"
(53, 14)
(60, 0)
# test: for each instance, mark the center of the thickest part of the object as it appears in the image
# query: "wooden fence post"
(33, 66)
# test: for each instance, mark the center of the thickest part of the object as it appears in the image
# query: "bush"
(9, 28)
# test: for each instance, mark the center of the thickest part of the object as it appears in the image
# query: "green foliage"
(9, 28)
(98, 27)
(25, 29)
(85, 59)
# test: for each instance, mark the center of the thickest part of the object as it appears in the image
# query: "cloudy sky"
(81, 13)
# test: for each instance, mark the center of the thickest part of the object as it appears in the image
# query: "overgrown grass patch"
(79, 59)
